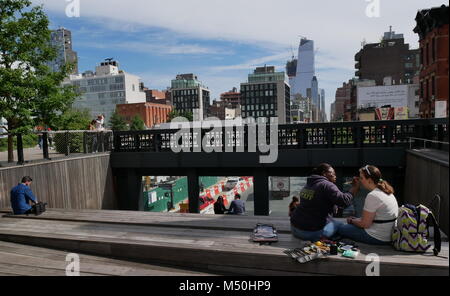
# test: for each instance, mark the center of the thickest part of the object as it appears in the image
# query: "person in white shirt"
(379, 214)
(99, 123)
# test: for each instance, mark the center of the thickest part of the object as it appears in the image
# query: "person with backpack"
(379, 214)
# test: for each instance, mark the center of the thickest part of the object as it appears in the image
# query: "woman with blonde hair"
(379, 214)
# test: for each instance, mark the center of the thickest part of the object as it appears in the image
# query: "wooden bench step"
(225, 250)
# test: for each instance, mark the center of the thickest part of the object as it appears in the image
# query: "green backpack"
(412, 231)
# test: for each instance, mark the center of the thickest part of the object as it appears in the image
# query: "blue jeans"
(328, 231)
(358, 234)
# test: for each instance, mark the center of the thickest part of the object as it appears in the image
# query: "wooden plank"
(77, 183)
(213, 222)
(176, 235)
(202, 247)
(34, 260)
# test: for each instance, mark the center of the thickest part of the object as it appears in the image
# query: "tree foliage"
(74, 119)
(117, 122)
(137, 124)
(30, 94)
(175, 113)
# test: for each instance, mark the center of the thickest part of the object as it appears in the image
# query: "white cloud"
(337, 27)
(249, 65)
(156, 48)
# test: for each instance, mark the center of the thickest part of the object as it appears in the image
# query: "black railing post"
(85, 143)
(137, 143)
(45, 145)
(117, 143)
(261, 192)
(102, 141)
(388, 133)
(156, 142)
(66, 136)
(303, 137)
(20, 157)
(358, 136)
(194, 191)
(329, 132)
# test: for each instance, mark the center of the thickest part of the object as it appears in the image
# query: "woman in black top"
(219, 206)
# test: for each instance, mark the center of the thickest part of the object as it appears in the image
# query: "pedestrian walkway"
(30, 155)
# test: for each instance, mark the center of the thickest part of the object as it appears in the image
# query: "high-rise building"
(266, 94)
(432, 27)
(315, 92)
(305, 67)
(102, 90)
(389, 58)
(322, 105)
(188, 94)
(61, 40)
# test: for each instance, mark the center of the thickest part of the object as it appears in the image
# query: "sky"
(222, 41)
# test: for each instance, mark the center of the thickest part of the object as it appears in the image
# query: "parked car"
(231, 183)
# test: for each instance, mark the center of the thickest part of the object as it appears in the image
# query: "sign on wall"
(440, 109)
(401, 113)
(384, 113)
(378, 96)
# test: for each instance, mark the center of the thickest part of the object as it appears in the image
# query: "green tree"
(73, 119)
(117, 123)
(175, 113)
(30, 94)
(137, 124)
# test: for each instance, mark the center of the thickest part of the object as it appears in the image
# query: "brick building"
(158, 97)
(343, 100)
(389, 58)
(151, 113)
(432, 27)
(231, 98)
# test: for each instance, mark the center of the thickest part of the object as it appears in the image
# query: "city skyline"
(158, 40)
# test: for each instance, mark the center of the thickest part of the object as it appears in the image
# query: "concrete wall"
(424, 178)
(76, 183)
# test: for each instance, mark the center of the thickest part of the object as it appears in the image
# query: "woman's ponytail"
(385, 187)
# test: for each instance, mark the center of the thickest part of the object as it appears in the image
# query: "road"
(278, 208)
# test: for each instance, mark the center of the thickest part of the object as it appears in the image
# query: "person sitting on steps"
(21, 196)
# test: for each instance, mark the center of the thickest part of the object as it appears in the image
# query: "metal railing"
(47, 145)
(293, 136)
(425, 141)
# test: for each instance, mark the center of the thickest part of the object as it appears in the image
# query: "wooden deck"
(210, 243)
(24, 260)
